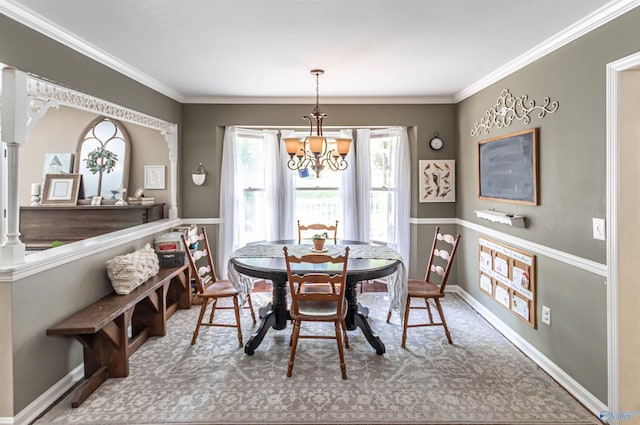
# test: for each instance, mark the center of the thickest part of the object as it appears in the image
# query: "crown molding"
(38, 23)
(598, 18)
(395, 100)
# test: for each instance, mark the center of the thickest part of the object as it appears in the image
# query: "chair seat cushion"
(219, 288)
(319, 311)
(420, 288)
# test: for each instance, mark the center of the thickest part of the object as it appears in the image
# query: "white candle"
(35, 189)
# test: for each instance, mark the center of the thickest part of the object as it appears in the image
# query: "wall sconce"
(199, 175)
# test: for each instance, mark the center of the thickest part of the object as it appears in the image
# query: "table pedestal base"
(276, 315)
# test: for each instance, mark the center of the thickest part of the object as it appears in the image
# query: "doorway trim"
(613, 201)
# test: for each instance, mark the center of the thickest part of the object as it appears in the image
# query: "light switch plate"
(599, 230)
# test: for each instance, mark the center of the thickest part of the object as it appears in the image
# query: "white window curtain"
(286, 197)
(278, 194)
(230, 197)
(271, 186)
(349, 211)
(401, 175)
(363, 183)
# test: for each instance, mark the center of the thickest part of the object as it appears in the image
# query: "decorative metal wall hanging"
(508, 108)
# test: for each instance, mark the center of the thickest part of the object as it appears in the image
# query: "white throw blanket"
(396, 282)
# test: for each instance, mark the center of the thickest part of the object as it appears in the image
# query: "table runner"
(396, 282)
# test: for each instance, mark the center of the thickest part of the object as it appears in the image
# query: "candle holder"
(35, 194)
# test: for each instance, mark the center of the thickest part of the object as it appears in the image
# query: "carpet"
(480, 379)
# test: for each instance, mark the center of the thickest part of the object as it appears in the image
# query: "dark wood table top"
(275, 268)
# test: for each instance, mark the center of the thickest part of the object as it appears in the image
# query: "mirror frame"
(127, 148)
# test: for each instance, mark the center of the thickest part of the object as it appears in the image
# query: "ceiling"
(409, 51)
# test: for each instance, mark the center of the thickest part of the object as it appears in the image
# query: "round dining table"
(276, 314)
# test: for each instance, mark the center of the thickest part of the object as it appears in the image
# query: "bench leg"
(88, 386)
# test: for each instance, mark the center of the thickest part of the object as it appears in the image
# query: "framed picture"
(61, 189)
(96, 200)
(154, 176)
(508, 168)
(437, 180)
(57, 163)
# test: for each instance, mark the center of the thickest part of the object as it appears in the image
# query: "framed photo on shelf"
(154, 177)
(61, 189)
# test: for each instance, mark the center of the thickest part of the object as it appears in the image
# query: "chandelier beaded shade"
(316, 151)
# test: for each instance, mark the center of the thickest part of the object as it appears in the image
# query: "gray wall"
(204, 128)
(40, 300)
(203, 132)
(572, 191)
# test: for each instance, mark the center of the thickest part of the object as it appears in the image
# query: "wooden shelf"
(44, 224)
(501, 217)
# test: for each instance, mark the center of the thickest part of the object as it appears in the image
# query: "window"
(317, 199)
(250, 164)
(382, 197)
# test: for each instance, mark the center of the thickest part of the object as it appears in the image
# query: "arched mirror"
(102, 157)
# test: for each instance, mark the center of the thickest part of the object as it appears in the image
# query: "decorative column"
(171, 136)
(14, 133)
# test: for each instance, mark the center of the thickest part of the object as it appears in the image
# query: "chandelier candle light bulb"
(314, 151)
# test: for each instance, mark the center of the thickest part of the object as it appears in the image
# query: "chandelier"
(316, 151)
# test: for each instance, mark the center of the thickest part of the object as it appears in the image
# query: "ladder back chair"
(318, 297)
(211, 289)
(330, 229)
(432, 288)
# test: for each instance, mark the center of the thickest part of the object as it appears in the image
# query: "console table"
(44, 224)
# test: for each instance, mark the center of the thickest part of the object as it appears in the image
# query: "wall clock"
(436, 143)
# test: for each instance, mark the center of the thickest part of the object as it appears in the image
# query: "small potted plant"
(319, 240)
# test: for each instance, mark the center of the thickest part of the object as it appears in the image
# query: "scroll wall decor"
(508, 108)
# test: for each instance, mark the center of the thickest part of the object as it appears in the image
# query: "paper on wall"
(501, 266)
(485, 284)
(502, 296)
(521, 307)
(485, 261)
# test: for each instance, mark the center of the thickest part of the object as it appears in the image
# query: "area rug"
(480, 379)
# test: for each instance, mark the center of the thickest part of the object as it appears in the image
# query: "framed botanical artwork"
(61, 189)
(437, 179)
(154, 176)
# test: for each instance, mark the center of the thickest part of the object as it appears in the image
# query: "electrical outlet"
(546, 315)
(599, 231)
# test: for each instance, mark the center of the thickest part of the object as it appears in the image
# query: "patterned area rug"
(481, 379)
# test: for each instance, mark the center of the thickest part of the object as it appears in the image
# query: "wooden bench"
(114, 327)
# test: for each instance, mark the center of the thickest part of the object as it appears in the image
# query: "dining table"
(266, 261)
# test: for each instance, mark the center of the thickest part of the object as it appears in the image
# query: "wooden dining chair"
(319, 227)
(318, 297)
(432, 288)
(211, 289)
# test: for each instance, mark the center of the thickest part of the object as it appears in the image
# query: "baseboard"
(39, 405)
(590, 401)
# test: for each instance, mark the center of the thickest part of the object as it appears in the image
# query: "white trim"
(210, 220)
(46, 260)
(36, 407)
(592, 21)
(363, 100)
(433, 221)
(42, 25)
(590, 401)
(573, 260)
(613, 199)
